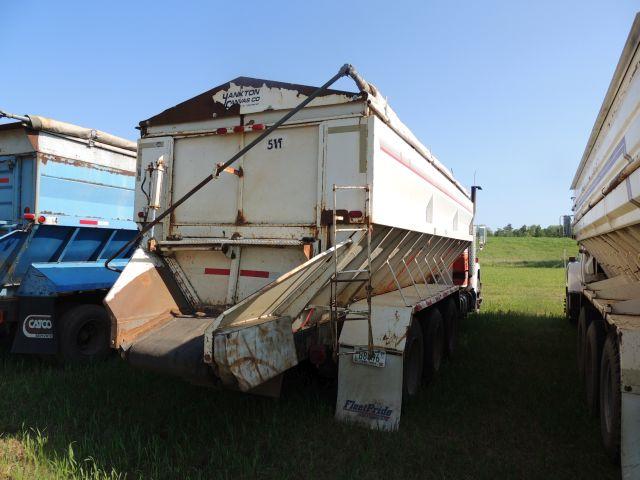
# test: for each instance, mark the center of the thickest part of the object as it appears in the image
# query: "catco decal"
(37, 326)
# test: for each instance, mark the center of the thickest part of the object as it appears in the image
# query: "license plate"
(377, 358)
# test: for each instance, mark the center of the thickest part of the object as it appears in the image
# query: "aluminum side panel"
(616, 145)
(16, 142)
(409, 193)
(617, 210)
(221, 280)
(52, 146)
(345, 163)
(194, 159)
(620, 134)
(280, 178)
(83, 191)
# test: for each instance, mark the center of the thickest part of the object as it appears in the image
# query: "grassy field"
(508, 406)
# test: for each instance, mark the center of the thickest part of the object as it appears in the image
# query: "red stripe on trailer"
(84, 221)
(217, 271)
(4, 180)
(254, 273)
(397, 157)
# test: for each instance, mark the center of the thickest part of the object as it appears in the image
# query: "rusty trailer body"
(322, 242)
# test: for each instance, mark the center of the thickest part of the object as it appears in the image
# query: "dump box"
(331, 241)
(603, 283)
(66, 205)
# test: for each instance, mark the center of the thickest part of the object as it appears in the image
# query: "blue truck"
(66, 205)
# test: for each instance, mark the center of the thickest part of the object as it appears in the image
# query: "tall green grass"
(507, 406)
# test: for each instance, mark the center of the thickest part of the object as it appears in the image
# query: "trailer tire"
(610, 398)
(572, 306)
(584, 319)
(434, 344)
(451, 325)
(592, 358)
(412, 360)
(85, 334)
(7, 333)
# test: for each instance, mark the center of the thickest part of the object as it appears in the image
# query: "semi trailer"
(66, 205)
(603, 283)
(323, 232)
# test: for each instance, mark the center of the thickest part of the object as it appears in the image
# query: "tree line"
(527, 231)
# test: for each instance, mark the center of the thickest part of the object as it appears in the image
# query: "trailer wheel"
(584, 319)
(84, 334)
(610, 398)
(571, 306)
(434, 344)
(7, 332)
(592, 358)
(451, 323)
(412, 362)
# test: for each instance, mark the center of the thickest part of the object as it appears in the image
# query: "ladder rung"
(349, 280)
(353, 271)
(350, 187)
(361, 229)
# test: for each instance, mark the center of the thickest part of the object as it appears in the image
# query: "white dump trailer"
(326, 233)
(603, 284)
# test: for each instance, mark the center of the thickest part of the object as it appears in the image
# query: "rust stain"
(32, 136)
(203, 107)
(240, 220)
(47, 212)
(45, 158)
(251, 361)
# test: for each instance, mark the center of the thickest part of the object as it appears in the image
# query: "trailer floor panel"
(176, 348)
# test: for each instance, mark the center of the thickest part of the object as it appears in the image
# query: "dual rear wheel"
(429, 340)
(599, 368)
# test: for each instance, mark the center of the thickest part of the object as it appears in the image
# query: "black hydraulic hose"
(346, 69)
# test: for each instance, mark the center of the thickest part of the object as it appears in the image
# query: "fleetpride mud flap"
(370, 383)
(369, 395)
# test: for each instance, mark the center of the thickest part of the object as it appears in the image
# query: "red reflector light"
(29, 216)
(140, 214)
(355, 214)
(221, 131)
(257, 126)
(42, 219)
(238, 129)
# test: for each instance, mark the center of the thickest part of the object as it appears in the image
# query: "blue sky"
(508, 90)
